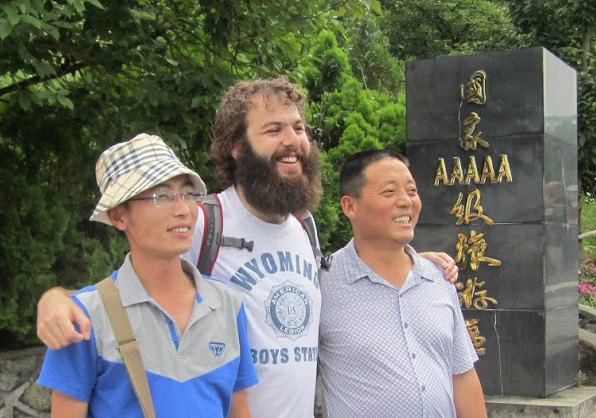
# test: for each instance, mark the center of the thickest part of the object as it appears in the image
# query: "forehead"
(387, 170)
(272, 107)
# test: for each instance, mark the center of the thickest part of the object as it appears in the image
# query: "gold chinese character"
(475, 247)
(471, 212)
(477, 340)
(471, 141)
(476, 88)
(466, 298)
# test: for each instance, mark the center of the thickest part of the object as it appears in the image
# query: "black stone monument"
(491, 139)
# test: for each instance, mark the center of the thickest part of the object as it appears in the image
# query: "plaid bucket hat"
(126, 169)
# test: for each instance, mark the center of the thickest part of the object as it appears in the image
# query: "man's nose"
(182, 206)
(402, 199)
(290, 137)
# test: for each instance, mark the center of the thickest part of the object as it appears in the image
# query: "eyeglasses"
(168, 200)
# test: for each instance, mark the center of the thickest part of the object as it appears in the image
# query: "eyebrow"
(278, 123)
(394, 182)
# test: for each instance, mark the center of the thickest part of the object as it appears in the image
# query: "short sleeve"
(71, 370)
(246, 372)
(464, 354)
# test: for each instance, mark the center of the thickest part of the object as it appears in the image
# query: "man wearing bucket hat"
(270, 170)
(190, 330)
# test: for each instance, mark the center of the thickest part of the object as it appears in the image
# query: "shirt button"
(423, 388)
(414, 355)
(406, 325)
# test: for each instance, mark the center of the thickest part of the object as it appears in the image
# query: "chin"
(289, 173)
(404, 239)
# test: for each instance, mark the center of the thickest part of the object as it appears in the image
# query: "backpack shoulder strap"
(213, 237)
(308, 223)
(127, 344)
(212, 229)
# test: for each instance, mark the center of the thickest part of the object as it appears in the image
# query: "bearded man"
(269, 169)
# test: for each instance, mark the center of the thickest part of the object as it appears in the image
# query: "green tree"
(571, 40)
(429, 28)
(78, 75)
(347, 117)
(368, 50)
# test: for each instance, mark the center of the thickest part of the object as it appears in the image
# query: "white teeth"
(289, 159)
(402, 220)
(183, 229)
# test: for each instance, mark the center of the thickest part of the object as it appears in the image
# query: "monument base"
(576, 402)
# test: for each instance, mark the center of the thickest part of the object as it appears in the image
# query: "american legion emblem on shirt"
(289, 310)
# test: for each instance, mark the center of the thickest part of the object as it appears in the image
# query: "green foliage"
(368, 50)
(588, 223)
(571, 40)
(329, 68)
(428, 28)
(346, 118)
(586, 135)
(79, 75)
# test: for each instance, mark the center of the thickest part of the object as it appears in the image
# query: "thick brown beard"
(272, 194)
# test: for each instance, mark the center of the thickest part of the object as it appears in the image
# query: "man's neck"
(389, 260)
(168, 285)
(160, 276)
(269, 218)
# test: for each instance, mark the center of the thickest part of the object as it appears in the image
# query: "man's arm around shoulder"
(468, 396)
(444, 262)
(56, 316)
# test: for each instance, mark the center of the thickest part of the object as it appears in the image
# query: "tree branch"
(23, 84)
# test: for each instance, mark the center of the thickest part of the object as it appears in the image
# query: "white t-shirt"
(279, 284)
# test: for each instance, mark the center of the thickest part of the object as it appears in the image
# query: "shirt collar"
(359, 269)
(421, 268)
(133, 292)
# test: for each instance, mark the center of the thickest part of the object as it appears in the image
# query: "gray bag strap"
(308, 223)
(213, 237)
(127, 344)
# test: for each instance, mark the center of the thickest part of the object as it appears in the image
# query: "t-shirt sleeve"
(71, 370)
(246, 372)
(464, 354)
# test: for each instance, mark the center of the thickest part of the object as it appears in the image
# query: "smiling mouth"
(404, 220)
(289, 159)
(181, 229)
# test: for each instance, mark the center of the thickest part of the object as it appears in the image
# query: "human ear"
(348, 204)
(118, 217)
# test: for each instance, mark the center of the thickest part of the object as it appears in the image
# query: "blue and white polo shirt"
(190, 375)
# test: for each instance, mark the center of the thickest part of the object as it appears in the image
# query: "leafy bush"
(588, 223)
(347, 118)
(46, 240)
(80, 75)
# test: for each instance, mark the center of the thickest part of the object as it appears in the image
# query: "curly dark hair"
(230, 119)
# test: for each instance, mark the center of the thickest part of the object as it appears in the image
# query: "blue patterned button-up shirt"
(386, 352)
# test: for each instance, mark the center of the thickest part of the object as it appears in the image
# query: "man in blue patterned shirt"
(393, 342)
